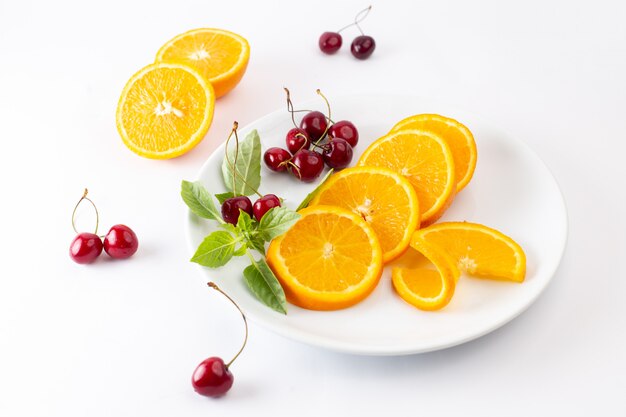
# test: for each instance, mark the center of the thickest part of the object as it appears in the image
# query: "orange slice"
(165, 110)
(329, 259)
(384, 199)
(458, 137)
(425, 159)
(478, 250)
(219, 55)
(427, 289)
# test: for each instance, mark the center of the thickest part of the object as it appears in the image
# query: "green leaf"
(199, 201)
(216, 249)
(261, 281)
(276, 222)
(257, 243)
(313, 193)
(241, 250)
(244, 223)
(248, 165)
(224, 196)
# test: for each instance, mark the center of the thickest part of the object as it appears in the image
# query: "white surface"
(122, 338)
(511, 190)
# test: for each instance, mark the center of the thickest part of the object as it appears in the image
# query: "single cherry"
(363, 46)
(212, 378)
(344, 129)
(337, 153)
(276, 159)
(85, 248)
(264, 204)
(314, 123)
(297, 139)
(306, 165)
(231, 207)
(330, 42)
(121, 242)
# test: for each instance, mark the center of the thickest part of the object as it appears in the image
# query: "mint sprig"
(219, 247)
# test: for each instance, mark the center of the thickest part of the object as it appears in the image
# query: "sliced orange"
(425, 159)
(477, 249)
(219, 55)
(427, 289)
(384, 199)
(329, 259)
(458, 137)
(165, 110)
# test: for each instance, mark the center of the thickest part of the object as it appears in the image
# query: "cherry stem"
(290, 107)
(233, 166)
(245, 321)
(328, 117)
(84, 197)
(357, 19)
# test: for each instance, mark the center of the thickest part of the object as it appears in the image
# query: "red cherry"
(337, 153)
(264, 204)
(231, 207)
(212, 378)
(121, 242)
(330, 42)
(297, 139)
(276, 159)
(85, 248)
(363, 46)
(306, 165)
(345, 130)
(314, 123)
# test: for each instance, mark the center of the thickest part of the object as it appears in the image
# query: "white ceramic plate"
(512, 191)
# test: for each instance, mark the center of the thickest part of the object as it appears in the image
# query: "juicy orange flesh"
(454, 136)
(475, 252)
(419, 161)
(163, 109)
(378, 200)
(335, 255)
(210, 53)
(424, 283)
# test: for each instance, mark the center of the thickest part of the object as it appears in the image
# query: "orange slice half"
(329, 259)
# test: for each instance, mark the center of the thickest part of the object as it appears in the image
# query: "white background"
(122, 338)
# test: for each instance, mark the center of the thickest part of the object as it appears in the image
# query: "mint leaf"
(276, 222)
(241, 250)
(263, 283)
(224, 196)
(257, 243)
(216, 249)
(313, 193)
(199, 201)
(248, 166)
(244, 223)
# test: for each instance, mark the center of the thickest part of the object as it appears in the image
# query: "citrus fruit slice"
(425, 159)
(164, 110)
(458, 137)
(427, 289)
(384, 199)
(477, 249)
(219, 55)
(329, 259)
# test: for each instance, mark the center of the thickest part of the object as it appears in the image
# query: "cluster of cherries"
(316, 141)
(362, 46)
(119, 243)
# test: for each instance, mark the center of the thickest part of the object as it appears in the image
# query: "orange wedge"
(477, 249)
(458, 137)
(329, 259)
(425, 159)
(219, 55)
(384, 199)
(427, 289)
(164, 110)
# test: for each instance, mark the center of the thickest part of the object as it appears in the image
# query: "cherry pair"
(119, 243)
(362, 46)
(231, 207)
